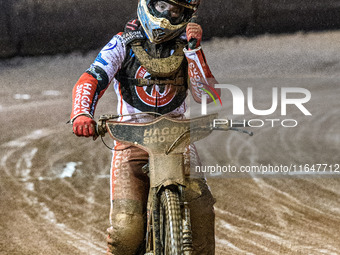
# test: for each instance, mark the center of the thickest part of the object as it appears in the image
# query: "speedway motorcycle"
(168, 230)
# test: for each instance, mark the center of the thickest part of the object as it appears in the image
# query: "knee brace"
(126, 234)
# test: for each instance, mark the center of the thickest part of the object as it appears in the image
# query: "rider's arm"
(93, 83)
(200, 77)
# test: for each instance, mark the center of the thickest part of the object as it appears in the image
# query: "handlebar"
(164, 133)
(101, 124)
(192, 44)
(226, 125)
(193, 41)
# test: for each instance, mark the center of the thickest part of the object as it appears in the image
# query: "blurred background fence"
(36, 27)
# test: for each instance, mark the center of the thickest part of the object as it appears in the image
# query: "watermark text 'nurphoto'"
(288, 96)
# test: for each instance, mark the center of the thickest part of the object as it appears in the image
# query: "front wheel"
(170, 223)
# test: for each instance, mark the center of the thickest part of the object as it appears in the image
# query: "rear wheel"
(170, 223)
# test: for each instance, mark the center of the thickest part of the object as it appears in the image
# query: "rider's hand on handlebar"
(84, 126)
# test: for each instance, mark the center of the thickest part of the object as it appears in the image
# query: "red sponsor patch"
(156, 96)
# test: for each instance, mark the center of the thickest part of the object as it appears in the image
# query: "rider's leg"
(129, 189)
(201, 207)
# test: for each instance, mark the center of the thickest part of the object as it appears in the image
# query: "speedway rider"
(151, 69)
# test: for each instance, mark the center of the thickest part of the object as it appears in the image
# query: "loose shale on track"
(54, 187)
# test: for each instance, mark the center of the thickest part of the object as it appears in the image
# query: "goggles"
(174, 13)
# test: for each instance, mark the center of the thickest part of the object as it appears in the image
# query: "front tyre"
(171, 222)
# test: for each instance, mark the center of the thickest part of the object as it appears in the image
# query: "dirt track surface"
(54, 187)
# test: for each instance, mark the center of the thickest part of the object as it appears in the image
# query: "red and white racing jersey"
(118, 55)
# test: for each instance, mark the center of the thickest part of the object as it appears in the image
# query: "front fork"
(187, 233)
